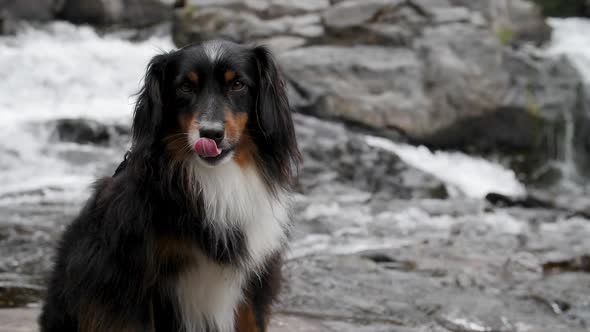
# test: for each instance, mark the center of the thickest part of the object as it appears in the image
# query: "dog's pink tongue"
(206, 147)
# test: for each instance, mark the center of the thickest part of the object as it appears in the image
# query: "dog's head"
(215, 103)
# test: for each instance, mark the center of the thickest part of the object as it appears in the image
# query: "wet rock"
(266, 8)
(288, 7)
(136, 13)
(240, 26)
(518, 20)
(469, 272)
(353, 13)
(333, 154)
(576, 264)
(85, 131)
(14, 292)
(280, 44)
(557, 8)
(355, 84)
(34, 10)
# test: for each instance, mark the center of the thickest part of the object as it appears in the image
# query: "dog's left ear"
(276, 134)
(147, 117)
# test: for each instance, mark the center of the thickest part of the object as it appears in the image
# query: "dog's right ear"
(147, 117)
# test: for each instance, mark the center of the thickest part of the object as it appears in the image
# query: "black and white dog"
(188, 235)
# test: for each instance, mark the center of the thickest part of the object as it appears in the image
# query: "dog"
(189, 233)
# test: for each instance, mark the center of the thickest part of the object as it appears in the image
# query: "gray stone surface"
(357, 84)
(353, 13)
(135, 13)
(373, 248)
(36, 10)
(25, 320)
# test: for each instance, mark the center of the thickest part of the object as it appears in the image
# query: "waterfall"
(571, 38)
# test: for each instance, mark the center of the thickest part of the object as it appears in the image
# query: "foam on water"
(472, 176)
(68, 71)
(61, 71)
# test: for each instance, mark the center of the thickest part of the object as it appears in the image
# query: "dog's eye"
(186, 87)
(237, 85)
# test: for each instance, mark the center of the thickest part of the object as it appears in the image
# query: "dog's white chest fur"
(209, 293)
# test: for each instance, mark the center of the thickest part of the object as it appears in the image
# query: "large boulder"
(86, 131)
(338, 159)
(240, 26)
(13, 11)
(447, 73)
(512, 20)
(264, 8)
(355, 84)
(35, 10)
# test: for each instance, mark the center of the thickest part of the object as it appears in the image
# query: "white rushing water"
(571, 38)
(471, 176)
(61, 71)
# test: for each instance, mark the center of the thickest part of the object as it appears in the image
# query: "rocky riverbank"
(24, 320)
(379, 246)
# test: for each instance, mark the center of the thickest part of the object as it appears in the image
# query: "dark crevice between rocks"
(17, 290)
(564, 8)
(86, 131)
(133, 13)
(556, 306)
(577, 264)
(389, 262)
(19, 295)
(532, 202)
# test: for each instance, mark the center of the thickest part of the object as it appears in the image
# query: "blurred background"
(446, 150)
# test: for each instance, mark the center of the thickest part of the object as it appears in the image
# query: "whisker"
(175, 136)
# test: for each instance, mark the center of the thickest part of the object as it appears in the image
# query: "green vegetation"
(189, 10)
(564, 8)
(505, 35)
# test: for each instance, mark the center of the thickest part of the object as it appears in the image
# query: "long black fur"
(108, 275)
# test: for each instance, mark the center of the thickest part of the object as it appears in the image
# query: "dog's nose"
(215, 134)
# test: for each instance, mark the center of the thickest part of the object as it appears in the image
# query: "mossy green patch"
(505, 35)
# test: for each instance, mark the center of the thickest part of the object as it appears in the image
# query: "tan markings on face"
(177, 141)
(193, 77)
(235, 131)
(229, 76)
(235, 125)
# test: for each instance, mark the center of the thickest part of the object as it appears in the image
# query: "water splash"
(472, 176)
